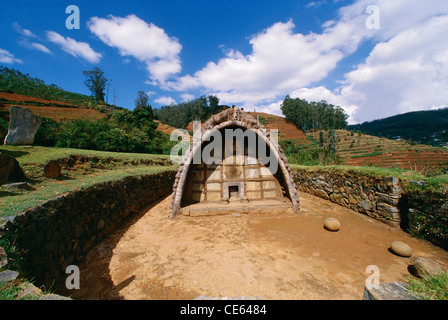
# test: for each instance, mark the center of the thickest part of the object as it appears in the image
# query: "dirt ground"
(283, 256)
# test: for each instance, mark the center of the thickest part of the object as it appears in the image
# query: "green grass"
(36, 154)
(431, 288)
(373, 154)
(8, 291)
(33, 159)
(377, 172)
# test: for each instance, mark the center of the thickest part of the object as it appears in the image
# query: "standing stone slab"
(22, 126)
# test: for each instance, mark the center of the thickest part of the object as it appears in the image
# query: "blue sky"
(248, 53)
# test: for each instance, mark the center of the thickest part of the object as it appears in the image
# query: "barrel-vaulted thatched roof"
(231, 117)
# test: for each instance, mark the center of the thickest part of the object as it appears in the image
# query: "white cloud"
(40, 47)
(146, 42)
(75, 48)
(186, 97)
(280, 62)
(23, 31)
(165, 101)
(7, 57)
(315, 4)
(26, 39)
(405, 71)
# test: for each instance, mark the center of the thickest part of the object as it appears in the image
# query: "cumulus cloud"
(407, 73)
(75, 48)
(8, 57)
(280, 61)
(165, 101)
(186, 97)
(146, 42)
(406, 70)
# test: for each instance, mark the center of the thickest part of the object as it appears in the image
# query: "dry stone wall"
(60, 232)
(377, 197)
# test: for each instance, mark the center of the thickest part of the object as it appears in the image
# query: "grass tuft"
(430, 288)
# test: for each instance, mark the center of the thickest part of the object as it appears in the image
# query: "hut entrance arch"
(240, 180)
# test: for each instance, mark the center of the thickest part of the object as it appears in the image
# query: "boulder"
(28, 290)
(8, 275)
(332, 224)
(425, 267)
(10, 169)
(22, 126)
(52, 296)
(388, 291)
(52, 169)
(401, 249)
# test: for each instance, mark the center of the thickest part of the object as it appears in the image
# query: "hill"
(361, 149)
(425, 127)
(55, 110)
(45, 100)
(286, 129)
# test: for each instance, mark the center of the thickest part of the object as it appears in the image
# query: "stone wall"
(377, 197)
(60, 232)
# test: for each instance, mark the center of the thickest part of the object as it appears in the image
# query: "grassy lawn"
(38, 154)
(32, 160)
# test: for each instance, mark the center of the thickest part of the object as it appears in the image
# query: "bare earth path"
(283, 256)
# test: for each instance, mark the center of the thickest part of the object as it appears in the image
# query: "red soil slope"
(52, 112)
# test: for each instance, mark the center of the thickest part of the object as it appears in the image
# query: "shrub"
(47, 134)
(3, 130)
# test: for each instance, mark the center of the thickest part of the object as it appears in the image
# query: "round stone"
(332, 224)
(425, 267)
(401, 249)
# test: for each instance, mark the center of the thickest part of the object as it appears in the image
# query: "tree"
(142, 100)
(96, 82)
(314, 115)
(142, 113)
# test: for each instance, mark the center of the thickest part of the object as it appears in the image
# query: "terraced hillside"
(361, 150)
(55, 110)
